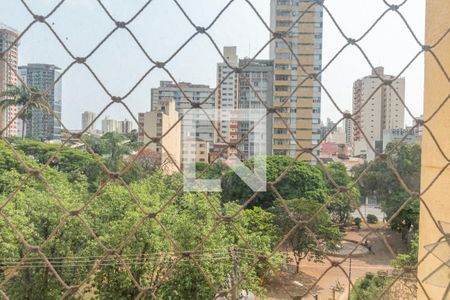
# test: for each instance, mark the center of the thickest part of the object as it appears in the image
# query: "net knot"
(151, 215)
(335, 263)
(426, 47)
(279, 34)
(343, 189)
(155, 140)
(262, 258)
(120, 24)
(76, 135)
(116, 99)
(237, 70)
(34, 172)
(382, 156)
(39, 18)
(195, 105)
(313, 76)
(271, 110)
(114, 175)
(200, 29)
(227, 219)
(80, 60)
(160, 64)
(394, 7)
(74, 213)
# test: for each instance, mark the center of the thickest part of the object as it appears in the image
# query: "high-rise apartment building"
(8, 69)
(109, 125)
(197, 93)
(227, 99)
(141, 118)
(348, 129)
(376, 107)
(43, 77)
(159, 122)
(87, 121)
(296, 96)
(125, 126)
(255, 90)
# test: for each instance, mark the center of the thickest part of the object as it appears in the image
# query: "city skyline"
(80, 84)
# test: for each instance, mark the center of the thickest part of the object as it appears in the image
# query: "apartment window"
(281, 45)
(283, 13)
(280, 131)
(281, 67)
(283, 23)
(281, 88)
(282, 77)
(283, 55)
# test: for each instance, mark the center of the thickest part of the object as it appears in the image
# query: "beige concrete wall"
(157, 123)
(436, 90)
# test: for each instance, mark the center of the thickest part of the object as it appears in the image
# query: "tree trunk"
(297, 259)
(297, 266)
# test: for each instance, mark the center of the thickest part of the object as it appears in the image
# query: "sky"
(162, 29)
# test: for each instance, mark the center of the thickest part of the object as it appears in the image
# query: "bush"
(372, 219)
(370, 287)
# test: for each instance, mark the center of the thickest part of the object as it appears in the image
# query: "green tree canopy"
(382, 182)
(322, 235)
(152, 248)
(78, 165)
(302, 180)
(341, 205)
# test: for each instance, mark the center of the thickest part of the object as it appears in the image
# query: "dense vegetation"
(381, 181)
(147, 246)
(112, 236)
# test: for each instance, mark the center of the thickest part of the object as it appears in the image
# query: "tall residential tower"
(197, 93)
(8, 77)
(227, 98)
(87, 121)
(255, 93)
(376, 107)
(43, 77)
(296, 97)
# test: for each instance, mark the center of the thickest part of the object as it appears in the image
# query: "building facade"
(197, 93)
(141, 118)
(125, 126)
(227, 99)
(87, 121)
(376, 107)
(255, 92)
(296, 97)
(399, 134)
(109, 125)
(8, 70)
(195, 151)
(348, 129)
(45, 78)
(162, 121)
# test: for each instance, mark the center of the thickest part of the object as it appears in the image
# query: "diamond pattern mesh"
(115, 253)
